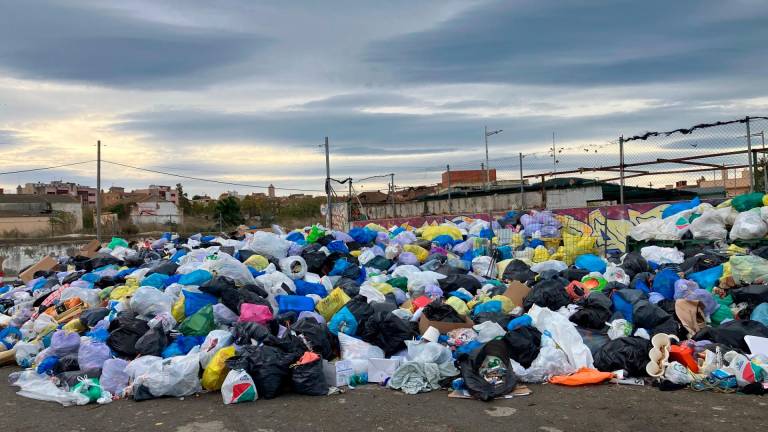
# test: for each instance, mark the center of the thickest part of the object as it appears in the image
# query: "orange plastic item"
(421, 301)
(684, 355)
(583, 376)
(308, 357)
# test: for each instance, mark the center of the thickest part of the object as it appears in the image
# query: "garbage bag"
(238, 387)
(711, 225)
(317, 335)
(294, 267)
(563, 334)
(591, 263)
(255, 313)
(244, 332)
(594, 313)
(196, 277)
(64, 343)
(265, 243)
(199, 324)
(414, 377)
(223, 264)
(749, 225)
(177, 377)
(182, 345)
(662, 255)
(549, 293)
(634, 263)
(147, 302)
(114, 378)
(753, 295)
(455, 281)
(551, 361)
(353, 348)
(747, 269)
(308, 377)
(388, 332)
(747, 201)
(524, 344)
(92, 355)
(213, 343)
(732, 333)
(216, 370)
(442, 313)
(287, 303)
(153, 342)
(707, 279)
(123, 334)
(477, 373)
(760, 314)
(267, 365)
(34, 386)
(628, 353)
(664, 283)
(331, 304)
(676, 208)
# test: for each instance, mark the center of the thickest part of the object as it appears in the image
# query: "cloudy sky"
(244, 91)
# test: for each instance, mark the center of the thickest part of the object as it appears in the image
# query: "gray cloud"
(69, 42)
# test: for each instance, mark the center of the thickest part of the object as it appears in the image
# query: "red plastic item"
(422, 301)
(684, 355)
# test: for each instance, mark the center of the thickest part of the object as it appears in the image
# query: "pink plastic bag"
(255, 313)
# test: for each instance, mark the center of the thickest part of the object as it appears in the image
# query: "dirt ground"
(371, 408)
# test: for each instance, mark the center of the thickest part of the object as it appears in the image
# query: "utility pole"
(554, 154)
(98, 191)
(621, 170)
(392, 187)
(349, 202)
(522, 182)
(749, 159)
(765, 172)
(450, 203)
(487, 174)
(328, 219)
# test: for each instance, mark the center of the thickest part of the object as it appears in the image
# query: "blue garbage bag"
(303, 288)
(295, 236)
(443, 240)
(182, 345)
(363, 235)
(524, 320)
(590, 263)
(760, 313)
(680, 207)
(194, 301)
(296, 303)
(339, 266)
(178, 255)
(343, 321)
(489, 306)
(338, 246)
(156, 280)
(463, 296)
(664, 283)
(707, 278)
(196, 277)
(171, 280)
(91, 277)
(622, 306)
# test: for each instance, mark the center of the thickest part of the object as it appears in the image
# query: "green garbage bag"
(315, 234)
(117, 241)
(89, 387)
(747, 201)
(748, 268)
(198, 324)
(399, 282)
(721, 314)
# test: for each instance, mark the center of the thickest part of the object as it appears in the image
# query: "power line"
(208, 180)
(46, 168)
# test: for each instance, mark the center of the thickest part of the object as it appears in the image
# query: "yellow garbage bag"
(214, 374)
(257, 262)
(577, 245)
(177, 311)
(376, 227)
(355, 253)
(726, 203)
(506, 303)
(458, 305)
(420, 252)
(331, 304)
(431, 232)
(123, 291)
(559, 254)
(501, 266)
(540, 254)
(383, 287)
(75, 326)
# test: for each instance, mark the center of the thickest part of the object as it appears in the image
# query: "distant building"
(86, 194)
(733, 186)
(202, 199)
(40, 214)
(165, 193)
(153, 211)
(271, 191)
(257, 195)
(299, 196)
(467, 178)
(112, 196)
(372, 197)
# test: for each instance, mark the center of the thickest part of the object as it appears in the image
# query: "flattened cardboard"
(516, 291)
(89, 249)
(443, 327)
(45, 264)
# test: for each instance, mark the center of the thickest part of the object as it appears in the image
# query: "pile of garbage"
(476, 308)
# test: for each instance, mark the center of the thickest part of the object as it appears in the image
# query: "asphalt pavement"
(549, 408)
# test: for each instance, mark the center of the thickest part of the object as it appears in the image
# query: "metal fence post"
(621, 170)
(749, 158)
(522, 185)
(450, 203)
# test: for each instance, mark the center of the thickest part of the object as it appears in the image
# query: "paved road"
(550, 409)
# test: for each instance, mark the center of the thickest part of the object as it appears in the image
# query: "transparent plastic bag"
(267, 243)
(176, 376)
(353, 348)
(147, 302)
(223, 264)
(40, 387)
(294, 267)
(749, 225)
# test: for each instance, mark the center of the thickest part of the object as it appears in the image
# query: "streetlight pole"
(487, 166)
(98, 191)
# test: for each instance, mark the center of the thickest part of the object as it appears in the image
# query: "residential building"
(733, 186)
(165, 193)
(467, 178)
(154, 211)
(202, 199)
(112, 196)
(86, 194)
(271, 191)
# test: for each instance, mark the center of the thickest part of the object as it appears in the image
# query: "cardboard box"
(379, 370)
(443, 327)
(89, 249)
(516, 291)
(45, 264)
(337, 374)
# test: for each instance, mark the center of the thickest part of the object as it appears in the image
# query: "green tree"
(184, 203)
(229, 209)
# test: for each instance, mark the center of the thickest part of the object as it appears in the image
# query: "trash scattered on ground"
(415, 309)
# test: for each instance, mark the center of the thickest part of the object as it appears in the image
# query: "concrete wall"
(155, 213)
(18, 256)
(75, 209)
(556, 199)
(29, 225)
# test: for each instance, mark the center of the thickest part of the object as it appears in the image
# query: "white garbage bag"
(565, 335)
(223, 264)
(353, 348)
(264, 243)
(294, 267)
(748, 226)
(148, 302)
(662, 255)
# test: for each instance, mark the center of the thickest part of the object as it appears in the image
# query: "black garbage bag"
(762, 252)
(153, 342)
(289, 343)
(315, 261)
(634, 263)
(519, 271)
(388, 332)
(645, 278)
(233, 298)
(549, 293)
(267, 365)
(593, 339)
(309, 379)
(470, 366)
(628, 353)
(384, 306)
(701, 262)
(499, 318)
(732, 333)
(165, 267)
(349, 286)
(379, 263)
(361, 310)
(647, 315)
(68, 279)
(573, 274)
(751, 294)
(524, 344)
(455, 281)
(217, 285)
(124, 332)
(256, 289)
(101, 260)
(244, 332)
(91, 317)
(67, 363)
(595, 311)
(317, 337)
(109, 281)
(448, 270)
(442, 312)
